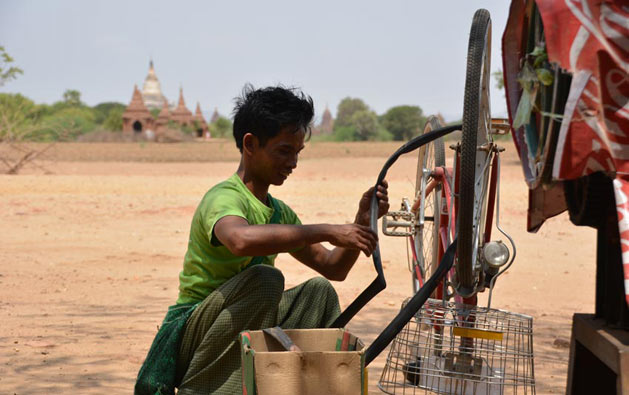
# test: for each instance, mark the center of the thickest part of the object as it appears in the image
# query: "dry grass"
(217, 150)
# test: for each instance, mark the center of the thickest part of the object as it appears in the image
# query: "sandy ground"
(90, 254)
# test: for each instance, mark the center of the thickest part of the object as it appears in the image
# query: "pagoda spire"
(136, 117)
(181, 114)
(215, 115)
(327, 123)
(137, 103)
(182, 103)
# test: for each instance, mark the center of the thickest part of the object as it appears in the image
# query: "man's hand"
(362, 216)
(353, 237)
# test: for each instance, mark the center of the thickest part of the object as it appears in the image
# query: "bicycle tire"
(473, 169)
(426, 233)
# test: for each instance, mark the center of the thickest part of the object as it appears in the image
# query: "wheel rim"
(427, 217)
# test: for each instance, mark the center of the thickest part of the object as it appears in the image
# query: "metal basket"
(451, 348)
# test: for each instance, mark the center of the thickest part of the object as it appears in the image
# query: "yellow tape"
(477, 333)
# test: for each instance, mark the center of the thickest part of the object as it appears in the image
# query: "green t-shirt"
(206, 266)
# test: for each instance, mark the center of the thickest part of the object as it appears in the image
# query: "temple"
(181, 114)
(327, 123)
(200, 126)
(152, 90)
(138, 119)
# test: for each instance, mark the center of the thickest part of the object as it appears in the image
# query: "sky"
(387, 53)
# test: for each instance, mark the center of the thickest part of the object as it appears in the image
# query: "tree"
(102, 110)
(499, 77)
(18, 117)
(114, 119)
(404, 122)
(365, 124)
(7, 72)
(72, 98)
(346, 109)
(222, 127)
(19, 122)
(66, 124)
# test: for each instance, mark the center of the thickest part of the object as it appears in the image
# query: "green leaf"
(544, 76)
(525, 107)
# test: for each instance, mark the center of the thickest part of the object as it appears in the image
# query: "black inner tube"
(412, 307)
(380, 283)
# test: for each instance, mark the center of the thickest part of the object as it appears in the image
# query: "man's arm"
(243, 239)
(335, 264)
(332, 264)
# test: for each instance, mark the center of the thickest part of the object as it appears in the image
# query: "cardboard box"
(319, 369)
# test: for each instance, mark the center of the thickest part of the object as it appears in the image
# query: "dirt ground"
(90, 255)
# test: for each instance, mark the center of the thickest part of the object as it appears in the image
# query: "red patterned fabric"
(589, 38)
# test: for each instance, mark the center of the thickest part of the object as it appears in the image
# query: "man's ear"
(250, 143)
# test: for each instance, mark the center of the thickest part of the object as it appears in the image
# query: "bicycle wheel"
(426, 233)
(474, 167)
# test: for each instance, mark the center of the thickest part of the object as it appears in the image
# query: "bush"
(221, 128)
(103, 111)
(65, 125)
(404, 122)
(114, 120)
(344, 133)
(19, 116)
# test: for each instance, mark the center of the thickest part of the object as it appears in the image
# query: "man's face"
(278, 157)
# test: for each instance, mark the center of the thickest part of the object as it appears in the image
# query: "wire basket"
(451, 348)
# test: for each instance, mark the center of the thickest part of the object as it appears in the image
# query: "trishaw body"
(566, 75)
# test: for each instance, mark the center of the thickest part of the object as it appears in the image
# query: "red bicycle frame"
(445, 177)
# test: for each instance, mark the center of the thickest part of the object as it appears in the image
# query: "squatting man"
(229, 283)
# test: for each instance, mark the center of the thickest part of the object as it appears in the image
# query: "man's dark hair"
(263, 112)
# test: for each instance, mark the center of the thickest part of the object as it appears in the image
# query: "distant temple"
(137, 119)
(181, 114)
(215, 115)
(152, 90)
(327, 123)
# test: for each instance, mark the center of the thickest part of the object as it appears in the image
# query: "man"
(228, 283)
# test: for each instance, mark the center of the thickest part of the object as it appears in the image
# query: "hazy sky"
(386, 52)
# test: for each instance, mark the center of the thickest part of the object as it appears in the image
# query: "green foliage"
(346, 109)
(403, 122)
(365, 124)
(221, 128)
(103, 110)
(72, 98)
(7, 72)
(383, 135)
(65, 125)
(344, 133)
(21, 119)
(155, 112)
(499, 77)
(18, 116)
(114, 119)
(355, 121)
